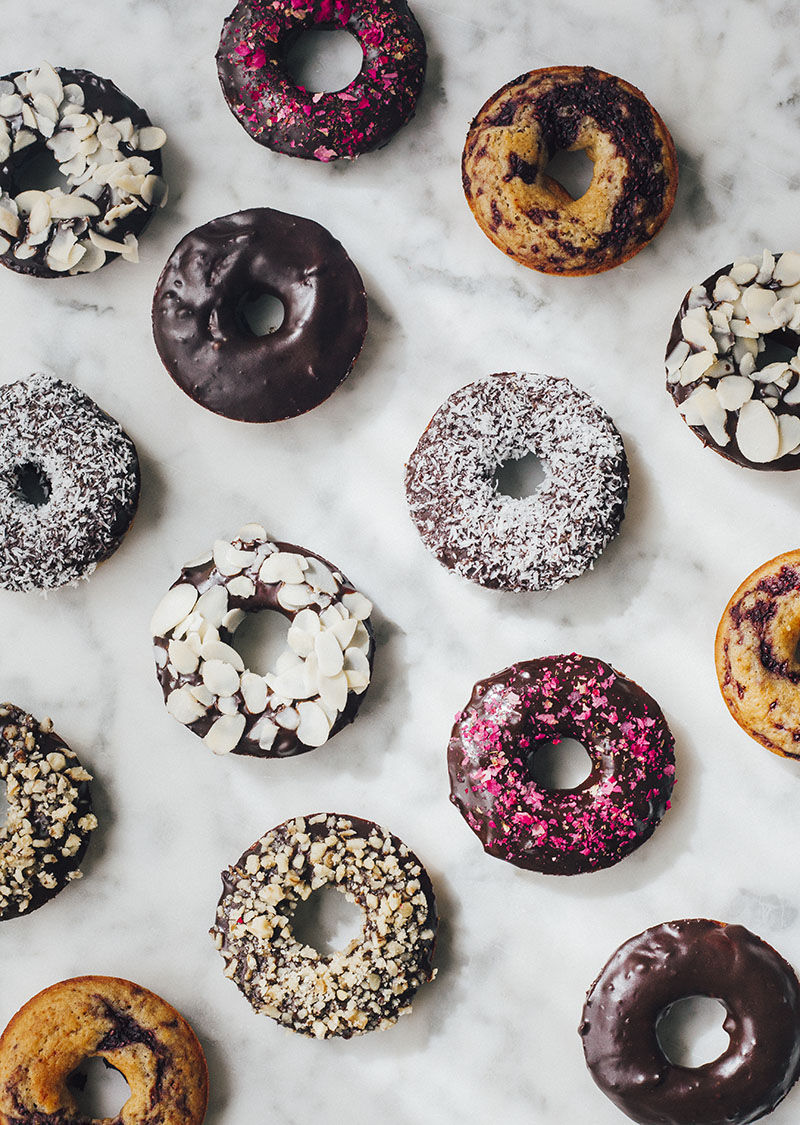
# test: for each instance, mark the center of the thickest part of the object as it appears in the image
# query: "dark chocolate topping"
(205, 343)
(667, 963)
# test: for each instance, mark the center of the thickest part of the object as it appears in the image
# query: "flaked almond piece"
(357, 605)
(313, 728)
(771, 372)
(44, 81)
(734, 391)
(220, 677)
(788, 434)
(782, 312)
(291, 596)
(10, 105)
(150, 138)
(225, 734)
(183, 706)
(696, 330)
(703, 408)
(252, 532)
(182, 657)
(787, 269)
(329, 654)
(695, 366)
(757, 433)
(176, 604)
(743, 271)
(264, 732)
(213, 605)
(283, 566)
(675, 358)
(213, 649)
(726, 289)
(242, 587)
(72, 207)
(229, 560)
(333, 691)
(254, 692)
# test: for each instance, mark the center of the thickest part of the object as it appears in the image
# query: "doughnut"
(733, 361)
(538, 542)
(538, 703)
(206, 344)
(368, 985)
(132, 1030)
(530, 216)
(69, 484)
(275, 111)
(318, 681)
(674, 961)
(49, 817)
(755, 652)
(105, 147)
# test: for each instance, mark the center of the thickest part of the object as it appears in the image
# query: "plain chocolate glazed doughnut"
(674, 961)
(205, 342)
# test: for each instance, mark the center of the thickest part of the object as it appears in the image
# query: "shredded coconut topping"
(538, 542)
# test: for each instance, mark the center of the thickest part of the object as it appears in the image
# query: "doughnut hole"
(262, 313)
(324, 60)
(690, 1031)
(573, 170)
(39, 172)
(560, 764)
(99, 1089)
(784, 633)
(327, 921)
(260, 639)
(33, 484)
(519, 478)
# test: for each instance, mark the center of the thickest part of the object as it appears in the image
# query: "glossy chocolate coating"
(102, 94)
(673, 961)
(561, 831)
(205, 342)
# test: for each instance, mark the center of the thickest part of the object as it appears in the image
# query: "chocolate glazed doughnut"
(205, 342)
(673, 961)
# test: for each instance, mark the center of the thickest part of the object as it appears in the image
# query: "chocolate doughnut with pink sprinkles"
(267, 102)
(536, 703)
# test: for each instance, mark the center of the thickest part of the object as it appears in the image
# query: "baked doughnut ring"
(368, 985)
(69, 484)
(267, 102)
(105, 148)
(133, 1030)
(755, 652)
(530, 216)
(674, 961)
(318, 681)
(540, 702)
(49, 818)
(538, 542)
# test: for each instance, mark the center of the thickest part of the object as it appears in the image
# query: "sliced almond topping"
(771, 372)
(766, 268)
(357, 605)
(251, 532)
(72, 207)
(333, 691)
(787, 269)
(329, 653)
(344, 631)
(308, 620)
(225, 734)
(743, 270)
(283, 566)
(734, 391)
(151, 138)
(696, 330)
(182, 657)
(44, 80)
(254, 692)
(299, 641)
(782, 312)
(242, 587)
(264, 732)
(213, 649)
(757, 432)
(291, 596)
(695, 366)
(726, 289)
(288, 718)
(789, 433)
(183, 706)
(313, 728)
(675, 359)
(213, 605)
(220, 677)
(176, 604)
(229, 560)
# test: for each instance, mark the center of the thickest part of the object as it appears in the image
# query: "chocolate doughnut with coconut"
(733, 361)
(105, 147)
(318, 681)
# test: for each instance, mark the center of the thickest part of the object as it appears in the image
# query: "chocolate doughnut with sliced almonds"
(368, 985)
(529, 215)
(318, 681)
(130, 1028)
(536, 542)
(756, 655)
(106, 149)
(733, 361)
(49, 816)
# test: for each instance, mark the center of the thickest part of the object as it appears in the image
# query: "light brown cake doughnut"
(529, 215)
(132, 1029)
(756, 655)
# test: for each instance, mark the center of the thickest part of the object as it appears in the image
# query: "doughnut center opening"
(262, 313)
(779, 347)
(573, 170)
(260, 640)
(33, 484)
(560, 764)
(99, 1089)
(40, 172)
(690, 1031)
(327, 921)
(519, 478)
(324, 60)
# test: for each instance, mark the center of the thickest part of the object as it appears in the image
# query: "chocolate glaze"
(205, 343)
(667, 963)
(102, 94)
(538, 702)
(276, 112)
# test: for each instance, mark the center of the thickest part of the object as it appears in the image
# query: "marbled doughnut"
(276, 112)
(529, 215)
(756, 655)
(205, 342)
(368, 985)
(540, 702)
(105, 147)
(69, 484)
(733, 361)
(673, 961)
(131, 1029)
(538, 542)
(319, 680)
(49, 817)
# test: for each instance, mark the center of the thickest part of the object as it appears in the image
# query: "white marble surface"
(495, 1036)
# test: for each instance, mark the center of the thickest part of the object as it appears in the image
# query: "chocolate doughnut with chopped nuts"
(317, 683)
(49, 817)
(536, 542)
(368, 985)
(733, 361)
(105, 147)
(69, 484)
(130, 1028)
